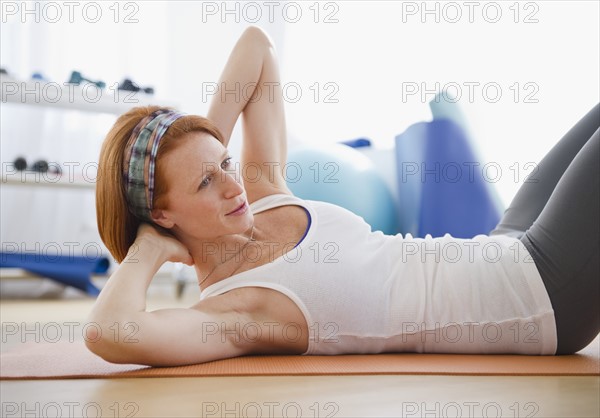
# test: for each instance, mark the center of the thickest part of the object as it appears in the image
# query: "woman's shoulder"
(273, 199)
(268, 194)
(259, 190)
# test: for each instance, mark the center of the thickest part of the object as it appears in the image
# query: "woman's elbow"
(106, 351)
(101, 340)
(258, 35)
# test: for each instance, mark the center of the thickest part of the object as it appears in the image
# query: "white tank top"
(366, 292)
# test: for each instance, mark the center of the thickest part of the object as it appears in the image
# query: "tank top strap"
(273, 201)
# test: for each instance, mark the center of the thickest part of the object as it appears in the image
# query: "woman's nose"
(233, 186)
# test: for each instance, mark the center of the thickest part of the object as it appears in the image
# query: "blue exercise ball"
(341, 175)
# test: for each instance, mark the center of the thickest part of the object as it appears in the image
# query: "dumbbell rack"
(86, 97)
(67, 97)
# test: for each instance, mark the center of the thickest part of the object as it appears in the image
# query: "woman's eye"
(205, 182)
(226, 163)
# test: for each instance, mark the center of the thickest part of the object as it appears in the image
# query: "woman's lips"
(240, 210)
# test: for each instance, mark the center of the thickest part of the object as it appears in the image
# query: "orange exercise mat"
(64, 360)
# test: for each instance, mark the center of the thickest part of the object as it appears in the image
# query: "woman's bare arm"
(120, 330)
(253, 73)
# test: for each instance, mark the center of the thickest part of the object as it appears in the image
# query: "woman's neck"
(218, 258)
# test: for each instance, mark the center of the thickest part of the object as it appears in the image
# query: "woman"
(283, 275)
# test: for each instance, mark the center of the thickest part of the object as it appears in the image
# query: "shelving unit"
(87, 97)
(33, 179)
(64, 96)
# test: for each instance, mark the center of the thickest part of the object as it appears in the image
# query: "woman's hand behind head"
(171, 247)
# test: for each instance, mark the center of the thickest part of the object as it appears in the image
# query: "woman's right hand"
(173, 249)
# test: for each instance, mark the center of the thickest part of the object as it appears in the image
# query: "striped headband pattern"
(140, 157)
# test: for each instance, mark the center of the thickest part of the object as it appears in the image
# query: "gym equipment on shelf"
(77, 78)
(128, 85)
(40, 166)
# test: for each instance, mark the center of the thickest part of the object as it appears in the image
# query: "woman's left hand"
(170, 246)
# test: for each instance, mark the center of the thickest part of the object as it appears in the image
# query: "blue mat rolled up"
(69, 270)
(440, 183)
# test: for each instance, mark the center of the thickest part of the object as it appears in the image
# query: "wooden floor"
(314, 396)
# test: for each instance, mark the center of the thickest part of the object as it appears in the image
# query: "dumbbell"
(76, 78)
(38, 76)
(40, 166)
(129, 85)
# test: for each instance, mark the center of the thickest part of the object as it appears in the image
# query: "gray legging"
(556, 214)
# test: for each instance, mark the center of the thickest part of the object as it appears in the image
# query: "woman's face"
(203, 189)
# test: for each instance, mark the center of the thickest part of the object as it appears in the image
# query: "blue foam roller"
(445, 106)
(439, 170)
(410, 152)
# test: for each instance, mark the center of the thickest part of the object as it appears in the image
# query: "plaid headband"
(139, 160)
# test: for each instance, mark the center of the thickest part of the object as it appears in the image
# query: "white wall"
(372, 49)
(371, 52)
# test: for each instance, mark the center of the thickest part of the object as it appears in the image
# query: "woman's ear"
(161, 218)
